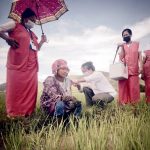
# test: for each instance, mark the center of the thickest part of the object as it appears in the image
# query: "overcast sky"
(89, 31)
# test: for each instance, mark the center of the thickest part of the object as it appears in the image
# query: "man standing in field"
(97, 89)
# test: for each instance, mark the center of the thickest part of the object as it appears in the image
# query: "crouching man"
(97, 89)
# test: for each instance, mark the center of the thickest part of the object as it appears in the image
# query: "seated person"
(56, 98)
(96, 87)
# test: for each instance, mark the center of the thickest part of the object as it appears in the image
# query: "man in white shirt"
(96, 87)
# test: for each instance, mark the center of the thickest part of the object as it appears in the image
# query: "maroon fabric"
(52, 93)
(146, 73)
(46, 10)
(129, 91)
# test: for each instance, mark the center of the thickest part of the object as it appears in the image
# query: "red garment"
(22, 68)
(129, 90)
(146, 72)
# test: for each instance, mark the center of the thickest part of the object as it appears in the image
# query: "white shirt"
(99, 84)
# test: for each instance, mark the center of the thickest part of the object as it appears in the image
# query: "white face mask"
(29, 24)
(87, 73)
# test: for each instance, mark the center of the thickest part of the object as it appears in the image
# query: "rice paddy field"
(114, 128)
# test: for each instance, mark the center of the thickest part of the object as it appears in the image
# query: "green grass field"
(111, 129)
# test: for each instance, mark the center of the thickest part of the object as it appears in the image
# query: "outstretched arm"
(80, 80)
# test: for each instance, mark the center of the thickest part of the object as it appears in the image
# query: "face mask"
(87, 73)
(127, 39)
(29, 24)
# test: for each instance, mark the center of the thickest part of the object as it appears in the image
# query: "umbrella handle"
(39, 17)
(41, 28)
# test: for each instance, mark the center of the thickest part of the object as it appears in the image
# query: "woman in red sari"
(129, 91)
(22, 65)
(146, 74)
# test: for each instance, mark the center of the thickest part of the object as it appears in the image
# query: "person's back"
(146, 63)
(146, 74)
(100, 84)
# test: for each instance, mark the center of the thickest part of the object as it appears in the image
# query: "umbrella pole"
(41, 28)
(39, 17)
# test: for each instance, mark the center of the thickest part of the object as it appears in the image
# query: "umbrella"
(45, 10)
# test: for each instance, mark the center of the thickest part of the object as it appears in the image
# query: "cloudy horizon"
(82, 39)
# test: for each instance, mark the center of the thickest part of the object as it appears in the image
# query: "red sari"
(129, 89)
(22, 68)
(146, 72)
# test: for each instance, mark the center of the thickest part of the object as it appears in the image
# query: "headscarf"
(57, 64)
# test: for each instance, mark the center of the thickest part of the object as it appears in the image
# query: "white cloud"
(141, 29)
(87, 44)
(95, 44)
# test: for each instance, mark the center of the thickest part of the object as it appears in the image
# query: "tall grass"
(111, 129)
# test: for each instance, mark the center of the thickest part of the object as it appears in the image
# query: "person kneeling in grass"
(97, 89)
(56, 98)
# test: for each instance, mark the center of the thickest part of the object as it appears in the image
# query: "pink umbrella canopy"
(45, 10)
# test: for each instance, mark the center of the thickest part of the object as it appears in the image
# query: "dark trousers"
(60, 109)
(88, 96)
(101, 98)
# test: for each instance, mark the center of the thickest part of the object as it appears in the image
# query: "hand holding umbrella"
(43, 40)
